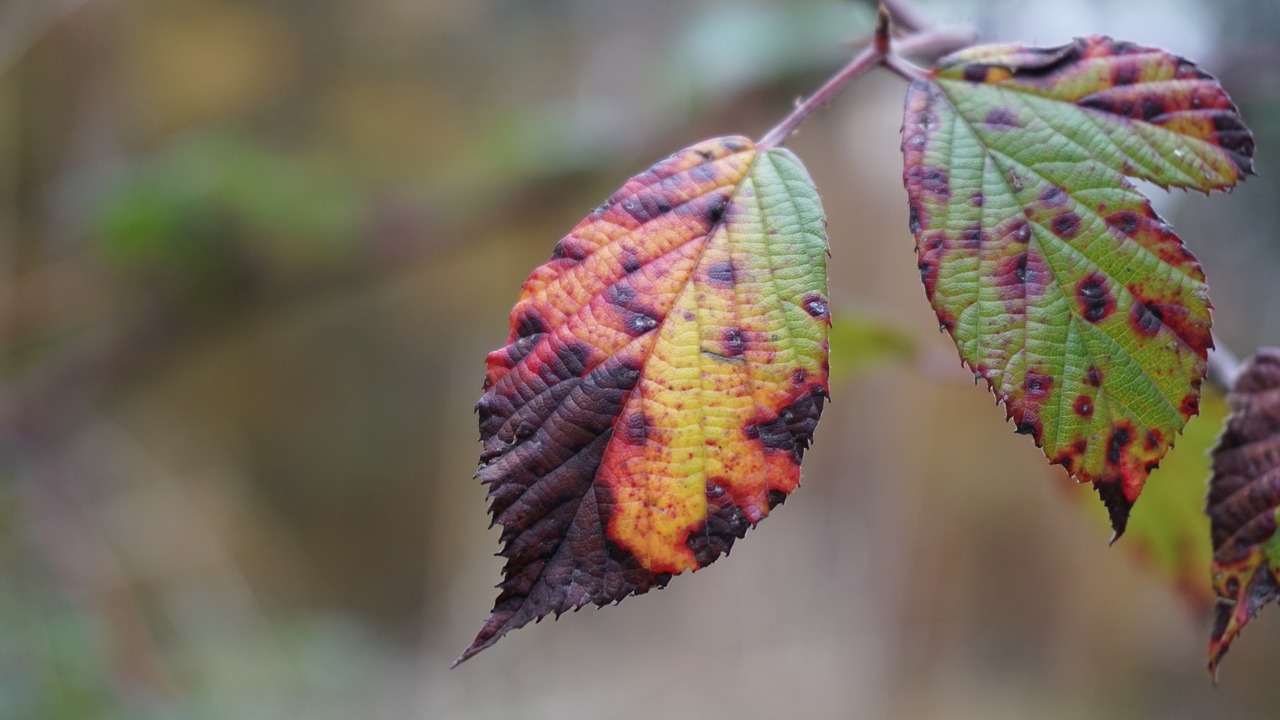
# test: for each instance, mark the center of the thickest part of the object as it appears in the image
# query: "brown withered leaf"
(1243, 503)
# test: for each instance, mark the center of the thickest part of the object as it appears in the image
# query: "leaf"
(663, 377)
(1244, 503)
(1083, 311)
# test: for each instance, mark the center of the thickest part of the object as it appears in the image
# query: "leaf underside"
(1244, 503)
(663, 377)
(1083, 311)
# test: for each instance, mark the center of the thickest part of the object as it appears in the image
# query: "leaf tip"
(1118, 506)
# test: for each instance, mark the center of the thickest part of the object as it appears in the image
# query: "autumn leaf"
(1244, 503)
(1083, 311)
(663, 377)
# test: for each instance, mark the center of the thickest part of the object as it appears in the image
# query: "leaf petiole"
(878, 53)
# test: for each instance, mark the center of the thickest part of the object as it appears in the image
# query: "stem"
(904, 68)
(864, 61)
(923, 43)
(1224, 366)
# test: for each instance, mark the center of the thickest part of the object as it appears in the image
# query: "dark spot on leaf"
(1037, 385)
(1122, 47)
(530, 324)
(735, 146)
(1083, 406)
(1120, 439)
(630, 263)
(571, 248)
(913, 219)
(1028, 426)
(731, 340)
(815, 305)
(621, 293)
(1150, 108)
(1020, 271)
(1232, 135)
(1153, 440)
(721, 273)
(929, 180)
(1093, 377)
(635, 428)
(776, 498)
(975, 73)
(799, 376)
(1125, 73)
(977, 199)
(1190, 405)
(1126, 222)
(1001, 119)
(705, 154)
(703, 173)
(928, 276)
(716, 210)
(1145, 318)
(1053, 196)
(1021, 232)
(640, 323)
(1050, 60)
(1096, 302)
(972, 237)
(1066, 225)
(1187, 70)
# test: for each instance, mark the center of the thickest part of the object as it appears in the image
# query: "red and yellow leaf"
(1083, 311)
(1244, 503)
(663, 377)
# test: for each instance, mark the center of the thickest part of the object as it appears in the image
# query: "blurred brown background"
(252, 255)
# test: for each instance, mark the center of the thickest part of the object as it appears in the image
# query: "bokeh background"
(252, 255)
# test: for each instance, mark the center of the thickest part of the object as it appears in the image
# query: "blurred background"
(252, 255)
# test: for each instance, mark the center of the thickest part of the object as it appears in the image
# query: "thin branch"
(923, 43)
(904, 68)
(864, 61)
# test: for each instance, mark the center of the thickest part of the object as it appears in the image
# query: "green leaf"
(1083, 311)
